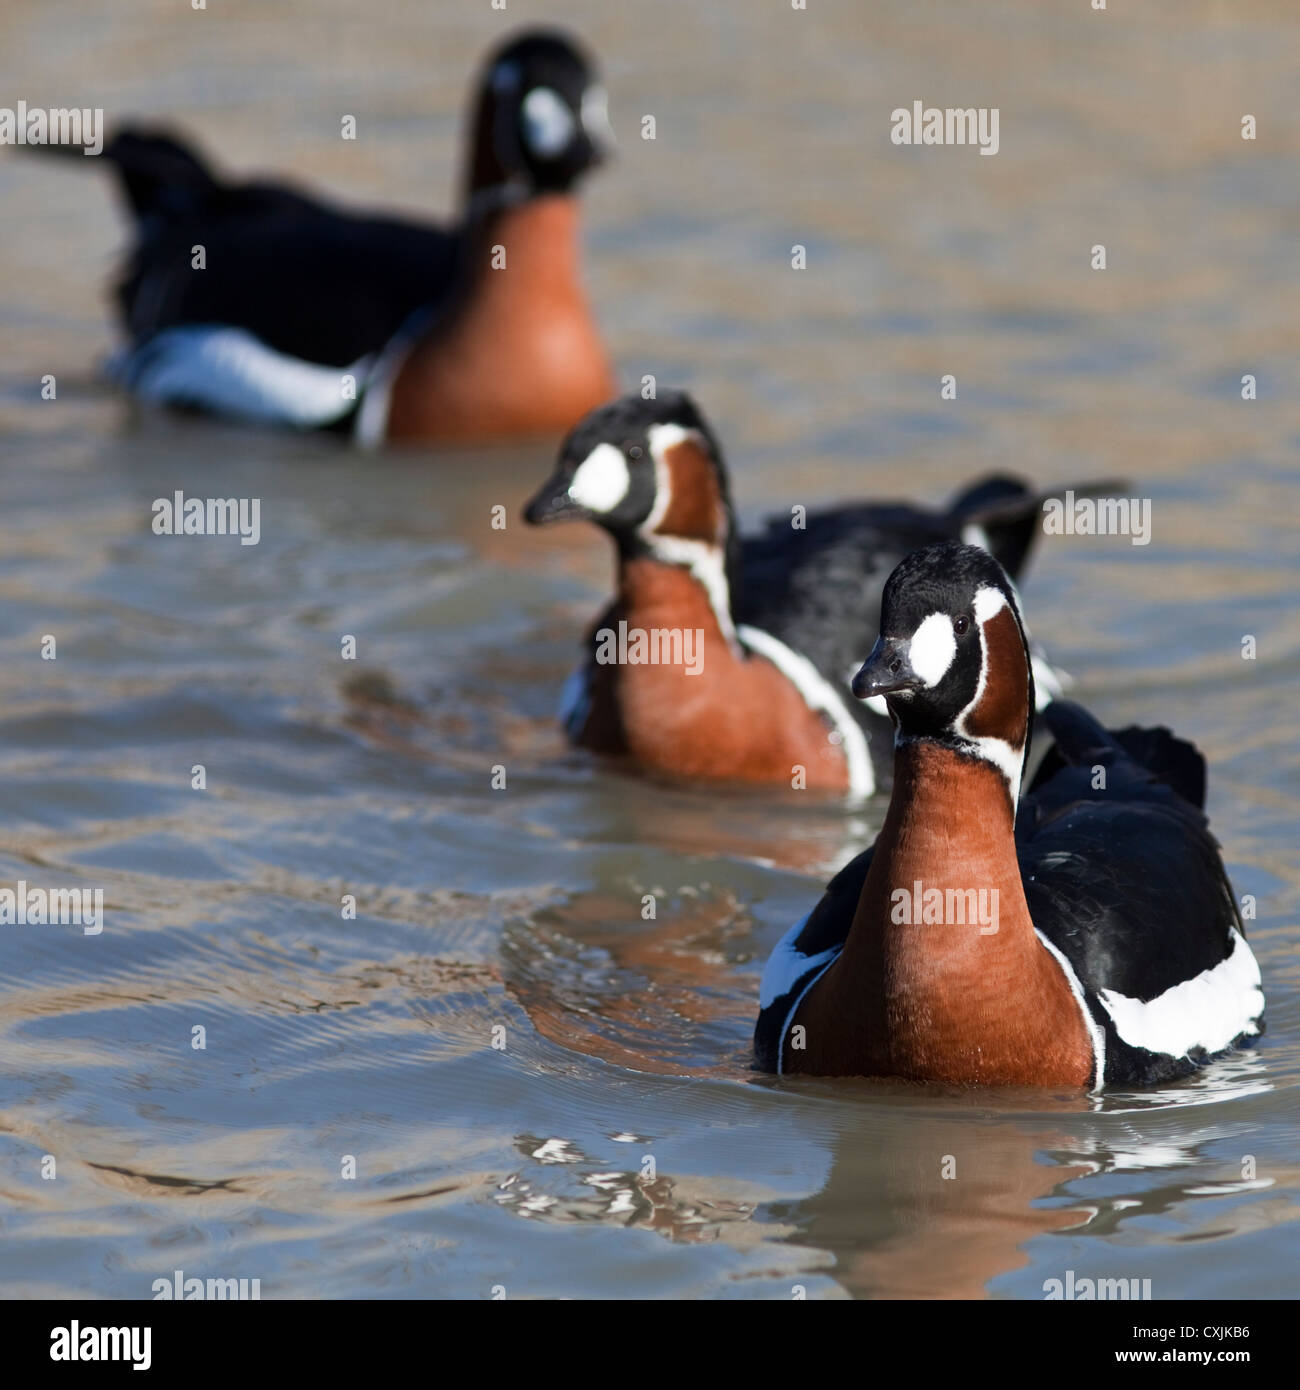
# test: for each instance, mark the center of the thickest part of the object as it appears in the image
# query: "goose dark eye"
(634, 451)
(961, 625)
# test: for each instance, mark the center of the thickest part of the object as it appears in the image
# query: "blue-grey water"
(538, 1090)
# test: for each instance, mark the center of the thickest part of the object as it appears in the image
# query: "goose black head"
(952, 659)
(648, 471)
(651, 473)
(541, 120)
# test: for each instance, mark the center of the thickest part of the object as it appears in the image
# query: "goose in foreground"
(1081, 936)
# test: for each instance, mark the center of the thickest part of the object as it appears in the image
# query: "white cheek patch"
(549, 122)
(932, 648)
(602, 479)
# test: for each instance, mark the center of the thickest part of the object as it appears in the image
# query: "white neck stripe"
(821, 697)
(661, 438)
(1007, 758)
(704, 559)
(988, 602)
(708, 566)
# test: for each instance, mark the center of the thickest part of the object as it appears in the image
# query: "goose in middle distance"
(726, 659)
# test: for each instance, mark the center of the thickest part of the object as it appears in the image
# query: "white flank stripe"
(784, 965)
(229, 371)
(1095, 1035)
(1209, 1011)
(820, 695)
(372, 418)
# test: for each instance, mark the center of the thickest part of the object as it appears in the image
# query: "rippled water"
(614, 1143)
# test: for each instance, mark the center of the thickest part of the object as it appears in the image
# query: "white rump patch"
(548, 122)
(1209, 1011)
(602, 480)
(820, 695)
(229, 371)
(932, 648)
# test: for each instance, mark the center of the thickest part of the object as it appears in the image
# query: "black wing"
(310, 281)
(1125, 878)
(818, 589)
